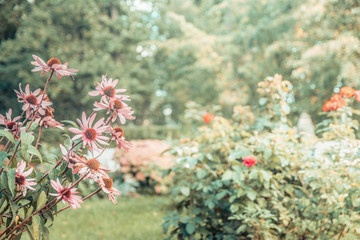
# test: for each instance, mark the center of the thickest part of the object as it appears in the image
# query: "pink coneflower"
(31, 100)
(66, 194)
(51, 122)
(106, 185)
(53, 63)
(71, 157)
(22, 183)
(118, 134)
(9, 123)
(117, 107)
(107, 88)
(92, 169)
(91, 136)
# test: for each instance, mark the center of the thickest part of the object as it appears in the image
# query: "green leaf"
(71, 122)
(185, 191)
(241, 229)
(201, 173)
(267, 153)
(262, 101)
(234, 208)
(227, 175)
(11, 180)
(36, 226)
(33, 126)
(41, 200)
(32, 150)
(26, 138)
(8, 135)
(2, 157)
(190, 228)
(29, 211)
(251, 195)
(45, 233)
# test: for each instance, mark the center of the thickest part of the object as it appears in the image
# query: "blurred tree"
(168, 53)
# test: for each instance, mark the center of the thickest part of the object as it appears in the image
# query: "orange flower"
(347, 91)
(207, 117)
(357, 95)
(327, 106)
(336, 97)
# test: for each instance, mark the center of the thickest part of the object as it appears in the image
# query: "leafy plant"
(235, 180)
(33, 182)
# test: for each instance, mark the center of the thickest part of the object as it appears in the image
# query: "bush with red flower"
(32, 180)
(241, 179)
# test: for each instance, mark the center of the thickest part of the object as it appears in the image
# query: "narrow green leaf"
(41, 200)
(29, 211)
(71, 122)
(11, 180)
(36, 226)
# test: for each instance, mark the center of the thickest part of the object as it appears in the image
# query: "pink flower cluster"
(36, 107)
(93, 134)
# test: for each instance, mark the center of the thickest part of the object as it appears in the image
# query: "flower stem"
(43, 96)
(26, 220)
(32, 120)
(88, 196)
(37, 141)
(59, 161)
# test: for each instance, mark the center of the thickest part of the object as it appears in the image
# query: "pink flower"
(7, 122)
(249, 161)
(107, 88)
(117, 107)
(71, 157)
(20, 178)
(140, 176)
(91, 136)
(91, 168)
(357, 95)
(66, 194)
(31, 100)
(118, 134)
(107, 186)
(52, 64)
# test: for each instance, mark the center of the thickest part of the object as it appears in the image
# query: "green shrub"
(295, 190)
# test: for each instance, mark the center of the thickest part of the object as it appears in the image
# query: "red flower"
(347, 91)
(336, 102)
(336, 97)
(249, 161)
(327, 106)
(357, 95)
(207, 117)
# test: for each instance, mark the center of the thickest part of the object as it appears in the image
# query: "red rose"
(249, 161)
(207, 117)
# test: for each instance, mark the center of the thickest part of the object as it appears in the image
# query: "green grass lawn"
(132, 218)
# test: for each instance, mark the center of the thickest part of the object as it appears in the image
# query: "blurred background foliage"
(167, 53)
